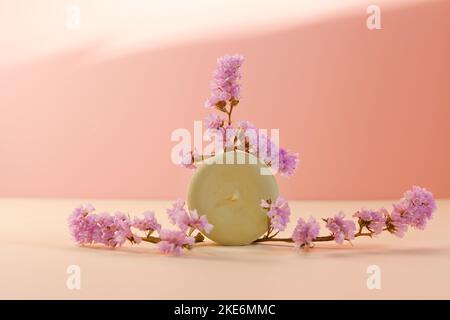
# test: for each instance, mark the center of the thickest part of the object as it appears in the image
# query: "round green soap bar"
(228, 189)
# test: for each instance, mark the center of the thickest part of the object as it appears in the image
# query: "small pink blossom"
(188, 159)
(268, 151)
(177, 212)
(246, 125)
(224, 85)
(278, 213)
(230, 137)
(147, 223)
(113, 230)
(173, 242)
(82, 224)
(247, 137)
(396, 225)
(375, 221)
(287, 162)
(121, 228)
(199, 222)
(415, 208)
(214, 121)
(341, 229)
(278, 158)
(179, 216)
(110, 230)
(305, 232)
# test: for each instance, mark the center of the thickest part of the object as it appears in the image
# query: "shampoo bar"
(228, 189)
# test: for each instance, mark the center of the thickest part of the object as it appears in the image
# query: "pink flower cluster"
(287, 162)
(340, 228)
(374, 221)
(305, 232)
(87, 227)
(110, 230)
(173, 241)
(214, 122)
(413, 210)
(179, 216)
(188, 159)
(224, 85)
(278, 213)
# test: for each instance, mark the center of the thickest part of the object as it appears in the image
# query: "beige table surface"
(36, 249)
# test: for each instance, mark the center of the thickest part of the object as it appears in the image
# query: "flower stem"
(265, 239)
(203, 157)
(229, 114)
(318, 239)
(151, 239)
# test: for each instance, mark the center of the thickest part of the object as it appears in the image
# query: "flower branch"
(114, 230)
(413, 210)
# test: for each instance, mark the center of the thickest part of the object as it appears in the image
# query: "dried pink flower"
(173, 242)
(415, 208)
(188, 159)
(287, 163)
(341, 229)
(147, 223)
(81, 224)
(278, 213)
(374, 221)
(214, 121)
(305, 232)
(199, 222)
(224, 85)
(177, 211)
(179, 216)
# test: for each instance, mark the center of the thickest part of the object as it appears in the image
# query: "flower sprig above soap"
(414, 210)
(242, 135)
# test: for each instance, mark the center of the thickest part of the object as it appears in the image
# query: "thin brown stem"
(317, 239)
(324, 238)
(203, 157)
(229, 114)
(273, 239)
(274, 235)
(363, 234)
(151, 239)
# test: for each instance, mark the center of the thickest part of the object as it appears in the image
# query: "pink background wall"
(368, 111)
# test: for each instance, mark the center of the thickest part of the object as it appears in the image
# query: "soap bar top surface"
(229, 194)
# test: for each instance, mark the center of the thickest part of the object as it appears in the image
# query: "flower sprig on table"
(114, 230)
(244, 136)
(414, 209)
